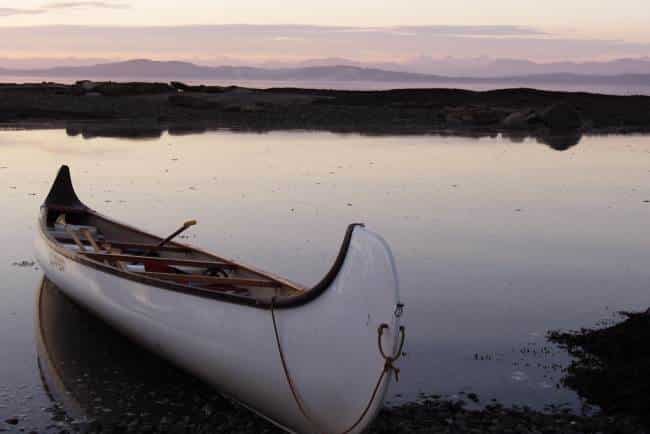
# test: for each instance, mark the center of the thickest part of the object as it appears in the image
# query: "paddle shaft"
(176, 233)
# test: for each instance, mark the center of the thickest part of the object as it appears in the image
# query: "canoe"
(317, 359)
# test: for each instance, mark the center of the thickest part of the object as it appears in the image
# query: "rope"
(292, 386)
(387, 369)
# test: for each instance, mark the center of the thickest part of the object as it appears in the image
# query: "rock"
(200, 88)
(193, 102)
(486, 117)
(561, 117)
(86, 85)
(109, 88)
(559, 140)
(180, 86)
(475, 116)
(520, 120)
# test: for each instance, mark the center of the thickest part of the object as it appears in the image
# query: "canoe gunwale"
(63, 197)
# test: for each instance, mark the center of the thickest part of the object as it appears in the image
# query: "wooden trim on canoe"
(62, 197)
(153, 259)
(214, 280)
(143, 246)
(289, 302)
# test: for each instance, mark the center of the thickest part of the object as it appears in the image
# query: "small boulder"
(181, 86)
(561, 117)
(471, 116)
(193, 102)
(109, 88)
(520, 120)
(560, 140)
(486, 117)
(86, 85)
(12, 421)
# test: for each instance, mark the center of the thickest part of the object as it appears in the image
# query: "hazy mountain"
(486, 67)
(632, 71)
(450, 66)
(148, 69)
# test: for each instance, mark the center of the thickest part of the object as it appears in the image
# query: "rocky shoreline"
(610, 367)
(433, 415)
(145, 394)
(177, 106)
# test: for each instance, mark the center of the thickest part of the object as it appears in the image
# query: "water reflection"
(142, 130)
(95, 374)
(495, 243)
(560, 142)
(136, 131)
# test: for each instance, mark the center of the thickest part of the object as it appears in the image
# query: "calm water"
(496, 242)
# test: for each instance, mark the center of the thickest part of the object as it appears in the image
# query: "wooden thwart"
(76, 239)
(151, 259)
(91, 240)
(129, 245)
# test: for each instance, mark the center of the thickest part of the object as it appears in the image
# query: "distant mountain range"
(483, 66)
(486, 67)
(631, 72)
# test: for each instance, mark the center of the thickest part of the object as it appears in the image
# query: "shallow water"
(496, 241)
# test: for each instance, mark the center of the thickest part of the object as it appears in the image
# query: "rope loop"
(389, 361)
(389, 367)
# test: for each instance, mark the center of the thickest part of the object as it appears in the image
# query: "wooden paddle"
(188, 224)
(164, 268)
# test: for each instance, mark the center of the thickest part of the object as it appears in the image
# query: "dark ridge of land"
(409, 111)
(611, 366)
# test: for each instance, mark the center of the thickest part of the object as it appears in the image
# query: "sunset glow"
(376, 30)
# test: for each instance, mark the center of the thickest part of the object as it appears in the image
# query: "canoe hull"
(330, 343)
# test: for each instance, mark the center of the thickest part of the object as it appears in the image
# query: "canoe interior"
(126, 250)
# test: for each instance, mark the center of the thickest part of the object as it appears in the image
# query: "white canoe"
(318, 367)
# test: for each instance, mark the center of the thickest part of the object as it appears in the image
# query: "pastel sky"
(548, 30)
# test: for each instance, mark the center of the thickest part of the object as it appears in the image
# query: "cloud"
(7, 12)
(84, 4)
(449, 30)
(384, 44)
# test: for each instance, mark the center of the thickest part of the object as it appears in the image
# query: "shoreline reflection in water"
(97, 377)
(142, 130)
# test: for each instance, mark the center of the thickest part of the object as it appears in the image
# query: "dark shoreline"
(145, 394)
(182, 108)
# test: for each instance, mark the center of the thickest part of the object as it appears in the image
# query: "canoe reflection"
(96, 373)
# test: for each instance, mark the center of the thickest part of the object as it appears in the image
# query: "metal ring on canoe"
(389, 366)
